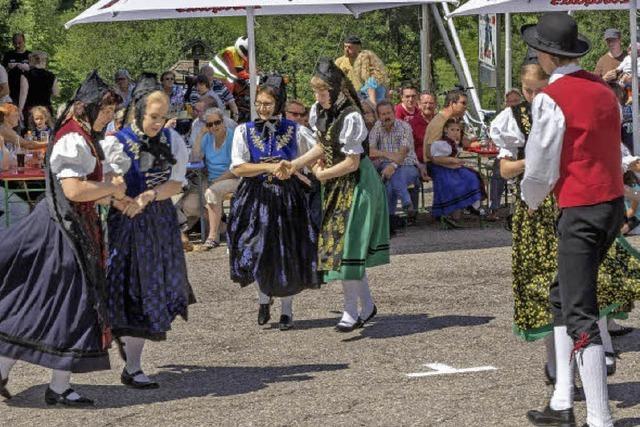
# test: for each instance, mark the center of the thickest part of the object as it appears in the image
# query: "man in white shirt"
(574, 150)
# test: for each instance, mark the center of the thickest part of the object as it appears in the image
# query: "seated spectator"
(427, 108)
(631, 178)
(455, 186)
(213, 144)
(203, 88)
(9, 123)
(5, 156)
(221, 90)
(40, 123)
(512, 98)
(124, 86)
(391, 147)
(369, 113)
(296, 111)
(4, 86)
(198, 110)
(174, 91)
(408, 106)
(42, 84)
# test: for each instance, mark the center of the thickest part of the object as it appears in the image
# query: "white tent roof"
(475, 7)
(138, 10)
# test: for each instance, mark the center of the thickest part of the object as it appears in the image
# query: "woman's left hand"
(139, 203)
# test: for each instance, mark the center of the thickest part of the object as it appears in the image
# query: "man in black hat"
(574, 150)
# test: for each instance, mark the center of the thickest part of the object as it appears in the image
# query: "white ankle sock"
(60, 382)
(286, 306)
(5, 366)
(350, 290)
(562, 397)
(607, 344)
(133, 348)
(262, 298)
(549, 345)
(366, 300)
(594, 382)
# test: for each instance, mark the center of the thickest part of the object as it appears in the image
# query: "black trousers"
(585, 234)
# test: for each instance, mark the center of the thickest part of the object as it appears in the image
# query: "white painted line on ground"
(442, 369)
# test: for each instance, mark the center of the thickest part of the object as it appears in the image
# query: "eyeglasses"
(264, 104)
(295, 113)
(214, 123)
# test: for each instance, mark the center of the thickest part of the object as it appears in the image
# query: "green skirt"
(365, 242)
(534, 266)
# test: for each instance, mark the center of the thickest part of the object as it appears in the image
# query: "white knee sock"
(594, 382)
(5, 366)
(262, 298)
(607, 344)
(350, 289)
(286, 306)
(549, 345)
(364, 295)
(60, 382)
(562, 397)
(133, 348)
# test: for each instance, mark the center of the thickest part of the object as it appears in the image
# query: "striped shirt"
(400, 136)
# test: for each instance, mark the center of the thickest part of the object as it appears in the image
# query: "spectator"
(455, 187)
(40, 123)
(16, 62)
(5, 158)
(174, 91)
(625, 66)
(365, 70)
(407, 108)
(203, 88)
(607, 64)
(9, 122)
(42, 84)
(198, 110)
(296, 111)
(124, 86)
(221, 90)
(391, 144)
(4, 86)
(231, 64)
(512, 98)
(427, 106)
(213, 143)
(369, 113)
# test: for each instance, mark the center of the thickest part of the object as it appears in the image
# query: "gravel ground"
(445, 298)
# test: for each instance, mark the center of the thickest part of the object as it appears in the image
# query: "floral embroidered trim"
(284, 140)
(256, 140)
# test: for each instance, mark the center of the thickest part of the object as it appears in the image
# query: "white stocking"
(286, 306)
(133, 349)
(594, 382)
(350, 314)
(562, 397)
(60, 382)
(262, 298)
(364, 295)
(5, 366)
(607, 344)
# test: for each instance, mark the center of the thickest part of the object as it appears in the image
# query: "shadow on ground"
(628, 422)
(186, 381)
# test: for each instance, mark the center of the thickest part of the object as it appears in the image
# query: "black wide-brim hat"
(556, 34)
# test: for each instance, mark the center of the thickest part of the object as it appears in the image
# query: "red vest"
(590, 164)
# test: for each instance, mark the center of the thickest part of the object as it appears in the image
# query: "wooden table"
(25, 178)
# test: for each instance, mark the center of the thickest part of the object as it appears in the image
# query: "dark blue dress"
(271, 237)
(146, 270)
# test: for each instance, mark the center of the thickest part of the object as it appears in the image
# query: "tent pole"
(425, 49)
(633, 22)
(465, 67)
(251, 35)
(507, 53)
(447, 43)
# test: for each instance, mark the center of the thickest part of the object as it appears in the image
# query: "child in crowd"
(455, 186)
(40, 123)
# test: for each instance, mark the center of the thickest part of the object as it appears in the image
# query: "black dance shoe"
(53, 398)
(620, 332)
(345, 327)
(3, 388)
(286, 323)
(361, 322)
(129, 380)
(264, 314)
(549, 417)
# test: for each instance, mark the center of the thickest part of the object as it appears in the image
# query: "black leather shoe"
(550, 380)
(286, 323)
(264, 314)
(344, 327)
(3, 388)
(549, 417)
(129, 380)
(611, 369)
(53, 398)
(361, 322)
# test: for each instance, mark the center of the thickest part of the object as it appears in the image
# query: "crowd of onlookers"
(411, 143)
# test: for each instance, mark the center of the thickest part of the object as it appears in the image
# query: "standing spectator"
(221, 90)
(42, 84)
(365, 70)
(4, 86)
(124, 86)
(607, 64)
(428, 106)
(231, 65)
(16, 62)
(173, 91)
(408, 106)
(391, 143)
(512, 98)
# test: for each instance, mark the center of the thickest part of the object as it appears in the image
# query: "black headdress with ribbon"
(90, 93)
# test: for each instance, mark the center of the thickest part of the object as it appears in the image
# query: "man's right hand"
(388, 172)
(610, 75)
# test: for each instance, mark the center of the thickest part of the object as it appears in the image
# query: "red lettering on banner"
(111, 3)
(211, 9)
(585, 3)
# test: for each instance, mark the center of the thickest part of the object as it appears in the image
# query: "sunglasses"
(295, 114)
(214, 123)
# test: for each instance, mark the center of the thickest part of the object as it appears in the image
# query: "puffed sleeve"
(353, 134)
(440, 149)
(239, 149)
(627, 158)
(313, 116)
(115, 159)
(506, 134)
(181, 154)
(306, 139)
(71, 157)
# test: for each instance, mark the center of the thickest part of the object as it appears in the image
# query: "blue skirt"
(454, 189)
(271, 237)
(147, 284)
(46, 317)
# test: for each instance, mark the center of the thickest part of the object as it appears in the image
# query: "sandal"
(210, 244)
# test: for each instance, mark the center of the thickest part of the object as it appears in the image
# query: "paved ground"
(445, 299)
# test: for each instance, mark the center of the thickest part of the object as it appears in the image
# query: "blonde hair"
(44, 111)
(318, 84)
(534, 72)
(156, 96)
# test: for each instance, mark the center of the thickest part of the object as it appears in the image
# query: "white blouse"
(440, 148)
(506, 134)
(118, 162)
(353, 132)
(240, 154)
(71, 157)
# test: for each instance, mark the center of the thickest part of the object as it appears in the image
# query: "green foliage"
(289, 45)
